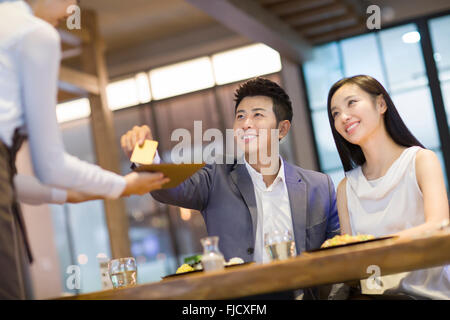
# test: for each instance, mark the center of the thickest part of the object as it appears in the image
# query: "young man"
(237, 202)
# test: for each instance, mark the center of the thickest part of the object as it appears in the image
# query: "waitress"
(29, 67)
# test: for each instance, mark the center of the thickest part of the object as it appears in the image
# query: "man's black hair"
(282, 106)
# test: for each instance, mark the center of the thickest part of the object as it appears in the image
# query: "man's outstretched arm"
(192, 193)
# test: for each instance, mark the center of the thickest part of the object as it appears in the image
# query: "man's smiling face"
(254, 119)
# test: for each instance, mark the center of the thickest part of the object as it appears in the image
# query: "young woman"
(393, 185)
(29, 64)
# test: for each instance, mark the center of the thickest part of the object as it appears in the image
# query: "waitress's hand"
(78, 196)
(143, 182)
(137, 135)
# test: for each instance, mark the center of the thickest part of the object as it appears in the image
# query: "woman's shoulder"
(426, 160)
(342, 184)
(43, 30)
(425, 154)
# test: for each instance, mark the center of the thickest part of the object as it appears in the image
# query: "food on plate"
(185, 268)
(194, 263)
(234, 261)
(345, 239)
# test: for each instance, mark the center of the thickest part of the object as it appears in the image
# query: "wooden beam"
(106, 148)
(339, 34)
(357, 7)
(189, 45)
(269, 2)
(301, 135)
(64, 95)
(317, 14)
(328, 25)
(81, 81)
(290, 7)
(252, 20)
(71, 53)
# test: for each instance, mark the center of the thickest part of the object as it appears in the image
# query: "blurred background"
(168, 63)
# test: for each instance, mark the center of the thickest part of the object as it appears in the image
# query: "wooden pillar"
(301, 135)
(106, 148)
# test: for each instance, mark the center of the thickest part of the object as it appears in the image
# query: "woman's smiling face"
(356, 113)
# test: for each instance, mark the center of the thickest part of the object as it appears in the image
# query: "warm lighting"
(128, 92)
(246, 62)
(143, 87)
(181, 78)
(411, 37)
(82, 259)
(73, 110)
(102, 255)
(185, 214)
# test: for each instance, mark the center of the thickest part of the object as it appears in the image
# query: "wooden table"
(309, 269)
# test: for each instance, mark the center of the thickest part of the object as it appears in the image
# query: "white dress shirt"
(29, 66)
(273, 207)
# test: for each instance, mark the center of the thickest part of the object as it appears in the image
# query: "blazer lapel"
(298, 203)
(241, 178)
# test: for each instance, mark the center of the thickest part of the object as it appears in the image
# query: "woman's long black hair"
(351, 154)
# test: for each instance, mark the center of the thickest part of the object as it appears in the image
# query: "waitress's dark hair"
(351, 154)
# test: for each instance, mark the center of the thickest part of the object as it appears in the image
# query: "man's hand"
(137, 135)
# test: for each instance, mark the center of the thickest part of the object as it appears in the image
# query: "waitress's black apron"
(15, 251)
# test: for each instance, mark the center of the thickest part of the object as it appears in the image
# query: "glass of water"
(279, 244)
(123, 272)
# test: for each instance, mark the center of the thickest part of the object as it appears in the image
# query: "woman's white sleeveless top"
(388, 205)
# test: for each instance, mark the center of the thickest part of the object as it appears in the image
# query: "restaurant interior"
(168, 63)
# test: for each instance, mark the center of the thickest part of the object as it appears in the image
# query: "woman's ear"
(283, 127)
(381, 103)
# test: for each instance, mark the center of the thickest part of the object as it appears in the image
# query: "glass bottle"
(212, 258)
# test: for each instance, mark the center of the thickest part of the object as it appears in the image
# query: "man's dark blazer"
(225, 196)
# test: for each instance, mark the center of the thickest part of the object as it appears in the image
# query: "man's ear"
(284, 126)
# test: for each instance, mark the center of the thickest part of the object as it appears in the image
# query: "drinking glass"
(279, 244)
(123, 272)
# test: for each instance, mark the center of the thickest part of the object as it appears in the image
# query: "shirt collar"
(258, 178)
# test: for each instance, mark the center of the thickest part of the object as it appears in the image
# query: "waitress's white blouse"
(29, 66)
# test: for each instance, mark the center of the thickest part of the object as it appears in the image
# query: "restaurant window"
(73, 110)
(180, 78)
(394, 57)
(80, 229)
(440, 30)
(128, 92)
(161, 236)
(244, 63)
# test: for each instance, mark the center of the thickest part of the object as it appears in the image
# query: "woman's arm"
(39, 58)
(431, 182)
(31, 191)
(344, 218)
